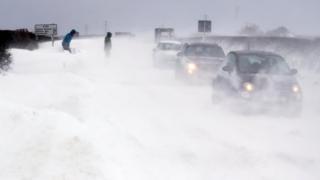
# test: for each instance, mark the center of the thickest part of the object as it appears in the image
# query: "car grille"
(283, 88)
(209, 67)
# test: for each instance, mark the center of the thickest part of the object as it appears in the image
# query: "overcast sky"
(300, 16)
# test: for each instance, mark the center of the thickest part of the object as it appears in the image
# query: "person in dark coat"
(67, 40)
(107, 44)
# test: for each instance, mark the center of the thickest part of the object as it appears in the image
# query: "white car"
(165, 54)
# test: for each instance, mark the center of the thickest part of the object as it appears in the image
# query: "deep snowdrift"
(81, 116)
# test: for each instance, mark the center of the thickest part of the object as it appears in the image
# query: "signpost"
(49, 30)
(204, 26)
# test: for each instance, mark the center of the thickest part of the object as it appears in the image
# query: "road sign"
(46, 29)
(50, 30)
(164, 33)
(204, 26)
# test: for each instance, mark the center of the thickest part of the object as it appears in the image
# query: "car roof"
(202, 43)
(250, 52)
(170, 42)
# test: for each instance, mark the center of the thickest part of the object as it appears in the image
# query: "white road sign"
(46, 29)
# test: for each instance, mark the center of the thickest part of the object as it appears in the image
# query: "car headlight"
(249, 87)
(295, 88)
(191, 67)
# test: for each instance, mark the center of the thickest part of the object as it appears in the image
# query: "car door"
(227, 74)
(181, 57)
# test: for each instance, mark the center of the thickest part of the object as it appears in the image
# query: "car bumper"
(291, 103)
(271, 98)
(201, 74)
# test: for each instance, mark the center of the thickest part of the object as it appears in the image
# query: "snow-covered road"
(81, 117)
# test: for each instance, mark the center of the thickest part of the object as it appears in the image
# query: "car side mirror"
(228, 69)
(294, 71)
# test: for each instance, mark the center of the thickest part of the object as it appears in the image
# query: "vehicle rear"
(165, 54)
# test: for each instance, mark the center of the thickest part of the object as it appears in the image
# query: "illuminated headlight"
(295, 89)
(248, 87)
(191, 67)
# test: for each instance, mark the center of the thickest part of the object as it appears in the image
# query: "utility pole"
(86, 29)
(206, 17)
(236, 12)
(204, 35)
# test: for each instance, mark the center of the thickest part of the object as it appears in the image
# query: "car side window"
(231, 61)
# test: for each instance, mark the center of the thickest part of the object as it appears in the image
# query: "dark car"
(199, 61)
(258, 77)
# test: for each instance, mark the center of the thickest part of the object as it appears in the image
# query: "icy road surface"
(83, 117)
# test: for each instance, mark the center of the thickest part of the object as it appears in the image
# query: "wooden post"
(52, 39)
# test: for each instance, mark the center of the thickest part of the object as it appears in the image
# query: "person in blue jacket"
(67, 40)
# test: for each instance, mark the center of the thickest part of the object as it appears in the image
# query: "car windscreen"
(263, 64)
(204, 51)
(169, 46)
